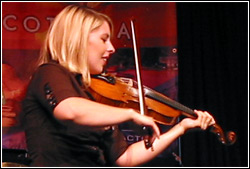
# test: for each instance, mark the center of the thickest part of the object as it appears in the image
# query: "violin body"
(123, 92)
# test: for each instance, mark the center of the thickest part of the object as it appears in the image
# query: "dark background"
(213, 76)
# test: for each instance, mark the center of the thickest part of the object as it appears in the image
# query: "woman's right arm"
(91, 113)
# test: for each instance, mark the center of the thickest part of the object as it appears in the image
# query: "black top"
(52, 142)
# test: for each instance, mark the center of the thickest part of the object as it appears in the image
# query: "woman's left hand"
(203, 121)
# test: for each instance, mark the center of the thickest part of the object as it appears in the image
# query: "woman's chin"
(95, 72)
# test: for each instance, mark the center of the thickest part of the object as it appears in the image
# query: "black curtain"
(213, 76)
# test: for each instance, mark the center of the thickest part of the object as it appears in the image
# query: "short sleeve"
(116, 143)
(51, 84)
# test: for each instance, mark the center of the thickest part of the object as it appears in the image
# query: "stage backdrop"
(24, 25)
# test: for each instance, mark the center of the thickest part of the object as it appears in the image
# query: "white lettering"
(8, 27)
(130, 138)
(25, 24)
(137, 138)
(134, 138)
(36, 25)
(123, 31)
(50, 19)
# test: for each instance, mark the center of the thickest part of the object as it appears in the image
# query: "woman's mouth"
(105, 58)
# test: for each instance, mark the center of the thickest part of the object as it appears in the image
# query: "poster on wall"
(24, 25)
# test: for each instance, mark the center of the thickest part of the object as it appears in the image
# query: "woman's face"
(99, 48)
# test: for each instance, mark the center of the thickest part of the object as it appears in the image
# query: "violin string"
(168, 101)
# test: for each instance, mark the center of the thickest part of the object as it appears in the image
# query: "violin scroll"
(228, 139)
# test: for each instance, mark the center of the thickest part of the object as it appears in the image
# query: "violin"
(123, 92)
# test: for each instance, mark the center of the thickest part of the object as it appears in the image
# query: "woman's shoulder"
(50, 71)
(51, 67)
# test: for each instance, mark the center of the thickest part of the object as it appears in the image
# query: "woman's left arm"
(137, 154)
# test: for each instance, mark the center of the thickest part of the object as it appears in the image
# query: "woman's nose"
(111, 48)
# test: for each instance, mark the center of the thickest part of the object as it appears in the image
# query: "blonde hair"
(67, 38)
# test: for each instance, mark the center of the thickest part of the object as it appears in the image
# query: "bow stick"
(143, 109)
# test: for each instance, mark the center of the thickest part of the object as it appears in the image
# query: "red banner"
(25, 24)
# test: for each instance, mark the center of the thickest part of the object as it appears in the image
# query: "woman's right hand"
(146, 121)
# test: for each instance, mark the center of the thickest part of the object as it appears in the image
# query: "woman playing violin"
(64, 125)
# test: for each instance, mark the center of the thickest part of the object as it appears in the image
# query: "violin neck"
(170, 102)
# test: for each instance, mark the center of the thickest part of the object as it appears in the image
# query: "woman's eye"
(104, 39)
